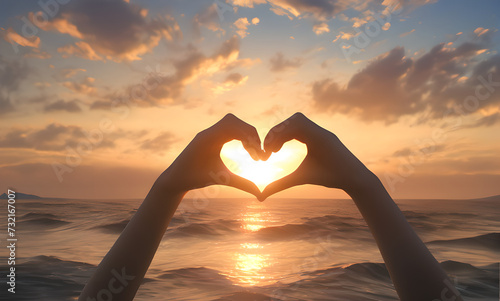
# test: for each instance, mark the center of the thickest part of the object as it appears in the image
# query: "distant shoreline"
(21, 196)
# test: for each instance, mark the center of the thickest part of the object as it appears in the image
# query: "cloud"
(12, 73)
(407, 33)
(114, 29)
(468, 164)
(232, 80)
(69, 72)
(12, 37)
(54, 137)
(247, 3)
(242, 26)
(485, 121)
(37, 53)
(85, 86)
(70, 106)
(279, 63)
(480, 31)
(321, 28)
(394, 85)
(407, 152)
(321, 11)
(168, 89)
(207, 18)
(160, 144)
(346, 35)
(80, 49)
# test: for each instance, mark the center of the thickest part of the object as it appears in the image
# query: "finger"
(232, 127)
(286, 182)
(291, 128)
(243, 184)
(265, 155)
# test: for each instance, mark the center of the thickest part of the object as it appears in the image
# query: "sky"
(97, 98)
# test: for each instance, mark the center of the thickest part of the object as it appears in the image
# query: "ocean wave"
(490, 241)
(360, 281)
(42, 219)
(198, 276)
(113, 228)
(471, 281)
(372, 270)
(435, 221)
(50, 278)
(371, 281)
(117, 227)
(409, 214)
(214, 228)
(246, 296)
(315, 227)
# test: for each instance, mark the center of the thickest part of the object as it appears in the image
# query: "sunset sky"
(97, 97)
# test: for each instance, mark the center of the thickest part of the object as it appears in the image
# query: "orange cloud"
(80, 49)
(62, 25)
(168, 89)
(84, 87)
(124, 33)
(13, 37)
(321, 28)
(231, 81)
(242, 25)
(37, 53)
(407, 33)
(480, 31)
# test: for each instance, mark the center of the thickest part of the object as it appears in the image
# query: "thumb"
(243, 184)
(284, 183)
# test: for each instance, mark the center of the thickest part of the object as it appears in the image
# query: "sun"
(280, 164)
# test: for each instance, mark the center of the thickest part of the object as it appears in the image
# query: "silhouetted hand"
(328, 162)
(200, 165)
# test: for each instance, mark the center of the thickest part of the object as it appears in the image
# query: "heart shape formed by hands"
(262, 173)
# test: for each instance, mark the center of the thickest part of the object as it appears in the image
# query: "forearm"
(120, 273)
(414, 271)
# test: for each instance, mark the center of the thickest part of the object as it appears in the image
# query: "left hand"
(200, 165)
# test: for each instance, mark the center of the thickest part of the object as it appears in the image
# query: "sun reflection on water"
(251, 267)
(251, 261)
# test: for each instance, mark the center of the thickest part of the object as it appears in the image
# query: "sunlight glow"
(280, 164)
(251, 260)
(254, 221)
(250, 267)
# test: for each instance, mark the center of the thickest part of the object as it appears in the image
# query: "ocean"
(240, 249)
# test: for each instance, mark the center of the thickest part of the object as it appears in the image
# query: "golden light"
(254, 221)
(250, 267)
(251, 260)
(280, 164)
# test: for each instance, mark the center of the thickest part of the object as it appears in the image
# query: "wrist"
(366, 183)
(170, 183)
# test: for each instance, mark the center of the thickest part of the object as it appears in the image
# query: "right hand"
(328, 162)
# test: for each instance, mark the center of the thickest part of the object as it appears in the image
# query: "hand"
(328, 162)
(200, 165)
